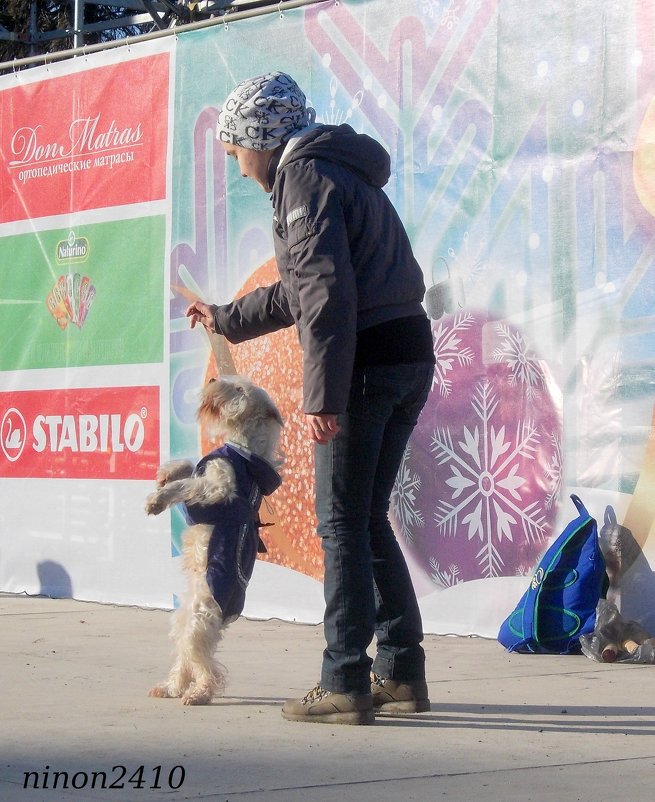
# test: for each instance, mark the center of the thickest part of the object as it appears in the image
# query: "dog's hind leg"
(180, 676)
(197, 628)
(204, 632)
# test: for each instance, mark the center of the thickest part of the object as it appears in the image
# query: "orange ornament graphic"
(274, 362)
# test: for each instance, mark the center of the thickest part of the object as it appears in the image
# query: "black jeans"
(368, 590)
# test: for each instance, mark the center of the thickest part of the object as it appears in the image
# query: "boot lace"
(315, 695)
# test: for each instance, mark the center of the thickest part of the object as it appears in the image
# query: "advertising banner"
(103, 433)
(84, 141)
(84, 226)
(513, 177)
(88, 295)
(521, 149)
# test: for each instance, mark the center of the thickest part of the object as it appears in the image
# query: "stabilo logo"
(88, 433)
(13, 432)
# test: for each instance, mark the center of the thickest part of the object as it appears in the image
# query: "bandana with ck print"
(263, 112)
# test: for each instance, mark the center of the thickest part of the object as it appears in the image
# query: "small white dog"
(221, 496)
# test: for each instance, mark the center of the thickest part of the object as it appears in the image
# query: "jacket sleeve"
(322, 275)
(261, 311)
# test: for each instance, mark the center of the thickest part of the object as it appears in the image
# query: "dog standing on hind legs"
(221, 497)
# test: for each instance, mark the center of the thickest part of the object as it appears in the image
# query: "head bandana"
(263, 112)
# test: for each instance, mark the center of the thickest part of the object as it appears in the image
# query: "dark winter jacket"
(234, 542)
(344, 259)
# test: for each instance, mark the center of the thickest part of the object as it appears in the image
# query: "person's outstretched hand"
(200, 312)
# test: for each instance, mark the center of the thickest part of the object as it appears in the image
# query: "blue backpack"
(560, 604)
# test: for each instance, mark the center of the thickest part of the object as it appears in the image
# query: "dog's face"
(233, 403)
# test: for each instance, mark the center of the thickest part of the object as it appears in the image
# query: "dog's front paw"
(171, 471)
(155, 504)
(163, 476)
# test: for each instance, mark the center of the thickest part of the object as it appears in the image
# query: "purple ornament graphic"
(478, 490)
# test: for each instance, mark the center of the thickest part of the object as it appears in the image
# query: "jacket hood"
(262, 472)
(342, 145)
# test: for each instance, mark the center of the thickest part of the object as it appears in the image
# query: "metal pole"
(223, 19)
(33, 28)
(78, 24)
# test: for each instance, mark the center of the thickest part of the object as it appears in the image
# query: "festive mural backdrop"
(521, 141)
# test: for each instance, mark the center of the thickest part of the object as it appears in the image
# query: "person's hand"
(200, 312)
(322, 428)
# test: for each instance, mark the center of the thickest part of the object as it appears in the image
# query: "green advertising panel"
(91, 295)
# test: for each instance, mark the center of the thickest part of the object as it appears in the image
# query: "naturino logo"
(72, 249)
(98, 433)
(72, 295)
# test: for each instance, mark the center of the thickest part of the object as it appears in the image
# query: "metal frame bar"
(10, 36)
(119, 22)
(222, 19)
(92, 27)
(133, 5)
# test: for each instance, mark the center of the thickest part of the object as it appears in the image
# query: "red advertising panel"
(84, 141)
(105, 433)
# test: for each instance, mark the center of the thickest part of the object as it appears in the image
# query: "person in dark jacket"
(350, 284)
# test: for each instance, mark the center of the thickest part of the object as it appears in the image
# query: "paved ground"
(502, 727)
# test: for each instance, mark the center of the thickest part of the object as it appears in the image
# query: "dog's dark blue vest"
(233, 543)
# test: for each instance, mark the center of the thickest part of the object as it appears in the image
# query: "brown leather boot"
(324, 707)
(392, 696)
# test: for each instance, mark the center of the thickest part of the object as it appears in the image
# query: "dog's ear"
(236, 398)
(236, 406)
(274, 413)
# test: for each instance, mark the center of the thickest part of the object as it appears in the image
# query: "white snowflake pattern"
(403, 499)
(445, 578)
(554, 471)
(486, 484)
(524, 367)
(448, 350)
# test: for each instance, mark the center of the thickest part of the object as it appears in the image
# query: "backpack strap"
(581, 507)
(527, 619)
(529, 610)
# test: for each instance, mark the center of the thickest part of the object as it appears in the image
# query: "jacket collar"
(260, 469)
